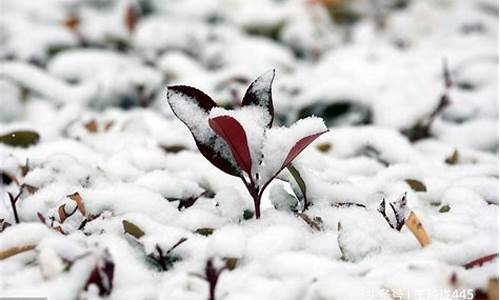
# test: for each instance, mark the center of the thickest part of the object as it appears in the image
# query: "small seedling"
(242, 142)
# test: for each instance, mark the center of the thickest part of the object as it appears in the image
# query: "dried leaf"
(416, 227)
(205, 231)
(453, 158)
(71, 22)
(108, 125)
(91, 126)
(131, 17)
(15, 250)
(79, 202)
(62, 213)
(31, 189)
(132, 229)
(416, 185)
(493, 289)
(324, 147)
(231, 262)
(316, 223)
(21, 138)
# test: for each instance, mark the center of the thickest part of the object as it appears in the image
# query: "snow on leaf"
(259, 93)
(299, 147)
(284, 144)
(192, 107)
(102, 275)
(396, 219)
(233, 133)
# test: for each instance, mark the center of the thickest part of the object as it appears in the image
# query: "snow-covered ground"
(408, 89)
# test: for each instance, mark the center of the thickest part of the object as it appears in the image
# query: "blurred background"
(425, 68)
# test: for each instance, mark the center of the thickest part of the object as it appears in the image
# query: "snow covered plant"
(242, 142)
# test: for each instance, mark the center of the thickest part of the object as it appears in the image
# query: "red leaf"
(233, 133)
(203, 100)
(259, 93)
(299, 147)
(102, 275)
(206, 103)
(480, 261)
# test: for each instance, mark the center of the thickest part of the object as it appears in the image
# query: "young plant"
(242, 142)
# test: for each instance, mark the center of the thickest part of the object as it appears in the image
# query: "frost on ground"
(104, 194)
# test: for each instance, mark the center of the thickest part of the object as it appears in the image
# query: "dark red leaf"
(260, 93)
(206, 103)
(480, 261)
(102, 275)
(299, 147)
(203, 100)
(233, 133)
(217, 160)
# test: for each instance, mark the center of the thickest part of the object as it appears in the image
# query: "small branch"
(13, 204)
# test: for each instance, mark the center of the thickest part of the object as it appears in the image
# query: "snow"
(382, 64)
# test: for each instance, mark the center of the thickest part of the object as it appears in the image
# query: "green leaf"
(231, 262)
(205, 231)
(444, 208)
(247, 214)
(324, 147)
(298, 179)
(453, 158)
(132, 229)
(21, 138)
(416, 185)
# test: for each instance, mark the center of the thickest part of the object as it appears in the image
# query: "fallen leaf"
(205, 231)
(416, 185)
(493, 289)
(21, 138)
(316, 223)
(132, 229)
(324, 147)
(453, 158)
(15, 250)
(444, 208)
(91, 126)
(231, 262)
(416, 227)
(79, 202)
(174, 148)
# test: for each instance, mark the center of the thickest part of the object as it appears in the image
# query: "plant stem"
(256, 195)
(14, 209)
